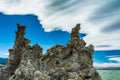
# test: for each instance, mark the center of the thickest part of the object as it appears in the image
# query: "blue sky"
(34, 32)
(48, 23)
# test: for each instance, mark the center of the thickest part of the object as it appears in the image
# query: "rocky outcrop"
(70, 62)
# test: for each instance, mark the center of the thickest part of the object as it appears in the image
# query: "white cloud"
(108, 65)
(65, 14)
(4, 54)
(115, 59)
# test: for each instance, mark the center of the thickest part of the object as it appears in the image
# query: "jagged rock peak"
(20, 40)
(75, 31)
(20, 32)
(71, 62)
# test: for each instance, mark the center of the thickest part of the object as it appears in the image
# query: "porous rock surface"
(70, 62)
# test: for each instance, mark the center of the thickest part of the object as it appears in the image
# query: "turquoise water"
(109, 74)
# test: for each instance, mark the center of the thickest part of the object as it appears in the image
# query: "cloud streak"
(106, 65)
(97, 17)
(110, 64)
(115, 59)
(4, 54)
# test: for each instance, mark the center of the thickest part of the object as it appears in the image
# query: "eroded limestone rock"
(70, 62)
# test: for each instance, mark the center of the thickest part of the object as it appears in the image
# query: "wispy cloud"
(114, 26)
(97, 17)
(103, 46)
(4, 54)
(115, 59)
(107, 65)
(110, 64)
(106, 11)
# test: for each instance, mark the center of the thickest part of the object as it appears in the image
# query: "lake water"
(109, 74)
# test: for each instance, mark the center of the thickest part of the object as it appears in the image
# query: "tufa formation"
(70, 62)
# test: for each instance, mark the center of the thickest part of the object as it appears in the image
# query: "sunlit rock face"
(70, 62)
